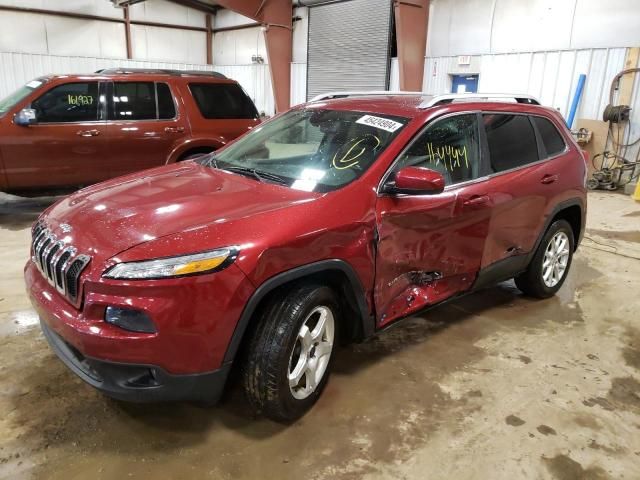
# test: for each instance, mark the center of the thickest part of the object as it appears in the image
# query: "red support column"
(275, 17)
(412, 17)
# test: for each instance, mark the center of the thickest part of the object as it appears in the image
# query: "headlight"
(183, 265)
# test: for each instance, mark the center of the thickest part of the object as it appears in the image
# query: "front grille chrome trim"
(53, 258)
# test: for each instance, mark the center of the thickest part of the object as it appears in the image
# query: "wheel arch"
(337, 273)
(194, 146)
(573, 211)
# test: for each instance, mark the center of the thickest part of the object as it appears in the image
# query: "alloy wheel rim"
(555, 260)
(311, 352)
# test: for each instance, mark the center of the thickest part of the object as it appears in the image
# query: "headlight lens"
(183, 265)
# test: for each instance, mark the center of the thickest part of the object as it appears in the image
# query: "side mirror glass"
(415, 181)
(25, 117)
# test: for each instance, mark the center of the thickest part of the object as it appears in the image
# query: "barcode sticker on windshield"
(379, 122)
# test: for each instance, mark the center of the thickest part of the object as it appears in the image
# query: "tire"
(538, 280)
(276, 352)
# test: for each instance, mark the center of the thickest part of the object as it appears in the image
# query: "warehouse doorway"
(349, 46)
(464, 83)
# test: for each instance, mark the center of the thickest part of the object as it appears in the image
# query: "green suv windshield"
(311, 150)
(8, 102)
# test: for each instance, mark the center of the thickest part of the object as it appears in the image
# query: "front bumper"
(138, 383)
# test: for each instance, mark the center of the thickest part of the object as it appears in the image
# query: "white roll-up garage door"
(348, 46)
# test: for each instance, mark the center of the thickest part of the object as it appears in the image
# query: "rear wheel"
(290, 352)
(550, 264)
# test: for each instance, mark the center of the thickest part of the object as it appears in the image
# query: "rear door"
(522, 184)
(144, 126)
(65, 146)
(430, 246)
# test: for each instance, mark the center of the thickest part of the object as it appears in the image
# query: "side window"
(222, 100)
(511, 140)
(166, 107)
(134, 101)
(449, 146)
(551, 138)
(71, 102)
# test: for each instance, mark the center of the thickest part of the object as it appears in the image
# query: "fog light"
(129, 319)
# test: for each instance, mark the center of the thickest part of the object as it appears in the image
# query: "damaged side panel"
(430, 248)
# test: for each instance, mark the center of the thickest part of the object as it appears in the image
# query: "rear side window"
(134, 101)
(222, 100)
(166, 107)
(71, 102)
(551, 138)
(511, 141)
(141, 101)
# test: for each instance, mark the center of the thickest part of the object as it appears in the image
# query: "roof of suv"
(200, 75)
(413, 105)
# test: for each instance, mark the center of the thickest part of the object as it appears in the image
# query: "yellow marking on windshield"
(450, 156)
(350, 159)
(80, 99)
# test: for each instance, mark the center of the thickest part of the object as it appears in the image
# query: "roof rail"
(164, 71)
(482, 97)
(359, 93)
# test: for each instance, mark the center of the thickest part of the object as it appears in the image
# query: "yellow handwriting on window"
(447, 155)
(80, 99)
(351, 157)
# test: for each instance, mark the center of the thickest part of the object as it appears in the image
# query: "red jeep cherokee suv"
(329, 222)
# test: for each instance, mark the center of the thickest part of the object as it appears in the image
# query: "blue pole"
(576, 99)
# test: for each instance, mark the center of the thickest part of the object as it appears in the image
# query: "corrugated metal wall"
(551, 76)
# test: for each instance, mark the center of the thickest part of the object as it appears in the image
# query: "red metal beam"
(127, 32)
(412, 17)
(209, 39)
(275, 17)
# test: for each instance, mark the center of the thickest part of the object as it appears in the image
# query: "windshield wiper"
(257, 174)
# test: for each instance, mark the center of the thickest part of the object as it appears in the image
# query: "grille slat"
(59, 264)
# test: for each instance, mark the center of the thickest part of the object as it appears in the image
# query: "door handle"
(547, 179)
(174, 129)
(476, 201)
(88, 133)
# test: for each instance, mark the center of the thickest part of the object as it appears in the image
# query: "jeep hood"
(111, 217)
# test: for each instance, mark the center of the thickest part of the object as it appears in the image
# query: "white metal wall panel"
(550, 76)
(238, 46)
(168, 44)
(298, 83)
(163, 11)
(102, 8)
(474, 27)
(348, 46)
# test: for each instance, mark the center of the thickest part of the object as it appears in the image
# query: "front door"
(430, 246)
(65, 145)
(144, 126)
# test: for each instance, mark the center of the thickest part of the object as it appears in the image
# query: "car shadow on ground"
(68, 407)
(17, 213)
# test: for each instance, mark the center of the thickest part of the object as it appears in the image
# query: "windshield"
(8, 102)
(311, 150)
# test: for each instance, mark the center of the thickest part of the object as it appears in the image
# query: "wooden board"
(598, 141)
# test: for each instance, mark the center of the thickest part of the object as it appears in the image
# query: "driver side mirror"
(415, 181)
(25, 117)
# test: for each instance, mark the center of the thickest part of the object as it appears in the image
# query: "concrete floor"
(495, 386)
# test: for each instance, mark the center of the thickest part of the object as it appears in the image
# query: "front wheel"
(550, 264)
(290, 352)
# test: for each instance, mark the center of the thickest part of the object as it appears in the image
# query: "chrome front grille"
(59, 263)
